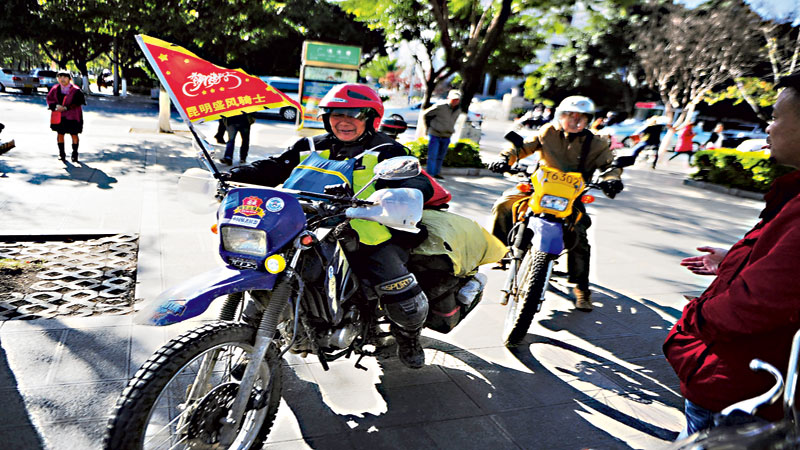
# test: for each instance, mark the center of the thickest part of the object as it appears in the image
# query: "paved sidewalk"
(581, 381)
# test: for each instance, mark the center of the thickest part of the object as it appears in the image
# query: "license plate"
(563, 178)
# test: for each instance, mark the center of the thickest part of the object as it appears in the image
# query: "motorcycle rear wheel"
(152, 411)
(533, 274)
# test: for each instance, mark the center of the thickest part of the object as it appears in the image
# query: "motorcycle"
(544, 227)
(739, 428)
(219, 385)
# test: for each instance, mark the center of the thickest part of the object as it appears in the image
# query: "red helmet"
(352, 96)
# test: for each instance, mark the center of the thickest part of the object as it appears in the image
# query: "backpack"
(440, 195)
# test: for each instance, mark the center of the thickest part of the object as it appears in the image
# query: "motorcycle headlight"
(248, 241)
(553, 202)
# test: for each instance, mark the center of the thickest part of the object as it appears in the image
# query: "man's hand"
(500, 166)
(611, 187)
(705, 264)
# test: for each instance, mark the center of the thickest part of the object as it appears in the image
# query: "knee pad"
(404, 302)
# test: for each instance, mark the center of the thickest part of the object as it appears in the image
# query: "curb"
(724, 190)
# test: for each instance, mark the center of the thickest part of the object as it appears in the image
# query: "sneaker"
(242, 161)
(438, 177)
(583, 299)
(409, 350)
(226, 161)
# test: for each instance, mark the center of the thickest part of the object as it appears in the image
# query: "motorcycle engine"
(344, 335)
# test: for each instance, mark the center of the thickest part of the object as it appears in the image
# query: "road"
(580, 380)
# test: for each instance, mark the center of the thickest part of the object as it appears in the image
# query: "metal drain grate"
(74, 278)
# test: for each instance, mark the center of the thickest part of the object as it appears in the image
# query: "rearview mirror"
(515, 138)
(623, 161)
(397, 168)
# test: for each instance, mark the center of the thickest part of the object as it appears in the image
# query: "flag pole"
(208, 161)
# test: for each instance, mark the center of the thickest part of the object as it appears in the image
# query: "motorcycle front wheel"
(532, 277)
(179, 398)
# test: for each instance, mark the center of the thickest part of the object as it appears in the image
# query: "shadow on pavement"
(16, 428)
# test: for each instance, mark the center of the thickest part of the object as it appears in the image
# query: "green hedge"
(752, 171)
(464, 153)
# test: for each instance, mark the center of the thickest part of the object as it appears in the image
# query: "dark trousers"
(233, 129)
(577, 257)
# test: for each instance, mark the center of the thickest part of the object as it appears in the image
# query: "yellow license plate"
(564, 178)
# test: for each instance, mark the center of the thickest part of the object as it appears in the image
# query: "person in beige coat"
(440, 122)
(560, 145)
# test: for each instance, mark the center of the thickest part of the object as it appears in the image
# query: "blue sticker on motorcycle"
(274, 204)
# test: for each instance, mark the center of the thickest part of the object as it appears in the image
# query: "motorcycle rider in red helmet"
(351, 114)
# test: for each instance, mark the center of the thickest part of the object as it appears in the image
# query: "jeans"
(232, 130)
(697, 418)
(437, 149)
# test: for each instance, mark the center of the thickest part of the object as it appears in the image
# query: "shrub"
(751, 171)
(464, 153)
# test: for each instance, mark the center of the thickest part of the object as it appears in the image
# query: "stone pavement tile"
(468, 433)
(75, 435)
(564, 426)
(497, 388)
(76, 401)
(31, 355)
(94, 354)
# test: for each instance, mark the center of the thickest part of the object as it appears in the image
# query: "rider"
(561, 144)
(350, 113)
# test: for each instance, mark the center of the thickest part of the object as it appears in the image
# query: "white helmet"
(576, 103)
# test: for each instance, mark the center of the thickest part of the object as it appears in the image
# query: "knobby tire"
(133, 409)
(533, 274)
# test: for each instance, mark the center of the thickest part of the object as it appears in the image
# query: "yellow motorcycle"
(544, 227)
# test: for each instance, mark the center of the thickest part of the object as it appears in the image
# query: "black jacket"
(276, 169)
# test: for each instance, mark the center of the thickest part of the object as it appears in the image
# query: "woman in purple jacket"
(67, 99)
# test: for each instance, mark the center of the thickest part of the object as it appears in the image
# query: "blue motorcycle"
(219, 385)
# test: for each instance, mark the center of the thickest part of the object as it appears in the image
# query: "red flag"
(203, 91)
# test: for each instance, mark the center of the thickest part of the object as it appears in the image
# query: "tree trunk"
(163, 111)
(750, 100)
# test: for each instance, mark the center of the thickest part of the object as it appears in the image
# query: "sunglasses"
(354, 113)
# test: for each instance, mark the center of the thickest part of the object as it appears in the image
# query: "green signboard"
(332, 54)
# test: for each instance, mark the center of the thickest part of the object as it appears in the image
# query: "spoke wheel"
(177, 400)
(532, 277)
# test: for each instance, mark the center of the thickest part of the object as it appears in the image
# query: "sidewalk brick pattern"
(78, 278)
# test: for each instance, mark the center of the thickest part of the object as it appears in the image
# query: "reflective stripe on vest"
(369, 232)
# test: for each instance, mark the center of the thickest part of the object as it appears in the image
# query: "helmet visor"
(355, 113)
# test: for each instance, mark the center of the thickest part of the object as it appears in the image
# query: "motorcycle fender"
(192, 297)
(548, 236)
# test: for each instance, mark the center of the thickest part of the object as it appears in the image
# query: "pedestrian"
(240, 124)
(751, 309)
(564, 144)
(546, 116)
(440, 122)
(716, 137)
(650, 136)
(350, 150)
(65, 100)
(685, 143)
(220, 134)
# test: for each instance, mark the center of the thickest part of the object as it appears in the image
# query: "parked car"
(290, 87)
(752, 145)
(47, 78)
(736, 133)
(17, 80)
(411, 114)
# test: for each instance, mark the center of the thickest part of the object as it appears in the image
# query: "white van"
(290, 87)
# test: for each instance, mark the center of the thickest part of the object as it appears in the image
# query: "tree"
(597, 61)
(686, 53)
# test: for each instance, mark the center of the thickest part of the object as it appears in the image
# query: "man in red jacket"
(752, 309)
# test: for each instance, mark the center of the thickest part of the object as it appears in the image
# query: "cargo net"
(67, 278)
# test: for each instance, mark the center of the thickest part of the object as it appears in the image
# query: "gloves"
(500, 166)
(611, 187)
(340, 190)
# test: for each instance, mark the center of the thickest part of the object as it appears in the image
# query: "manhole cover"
(67, 277)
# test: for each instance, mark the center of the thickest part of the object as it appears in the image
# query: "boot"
(583, 299)
(409, 350)
(74, 152)
(61, 154)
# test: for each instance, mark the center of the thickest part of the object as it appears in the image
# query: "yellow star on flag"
(162, 57)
